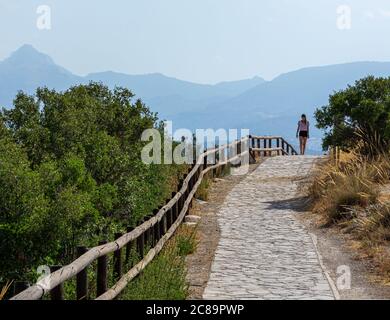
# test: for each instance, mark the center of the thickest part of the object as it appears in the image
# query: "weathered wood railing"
(153, 232)
(271, 145)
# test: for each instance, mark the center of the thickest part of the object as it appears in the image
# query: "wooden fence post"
(173, 214)
(181, 181)
(156, 230)
(140, 245)
(205, 160)
(175, 208)
(117, 260)
(57, 293)
(146, 236)
(129, 247)
(101, 276)
(265, 147)
(216, 160)
(161, 225)
(19, 286)
(169, 218)
(82, 278)
(278, 145)
(190, 183)
(270, 147)
(151, 233)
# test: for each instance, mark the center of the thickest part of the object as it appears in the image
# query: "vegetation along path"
(264, 251)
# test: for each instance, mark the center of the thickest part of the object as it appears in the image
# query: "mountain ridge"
(265, 107)
(27, 68)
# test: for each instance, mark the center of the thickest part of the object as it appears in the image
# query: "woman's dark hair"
(304, 116)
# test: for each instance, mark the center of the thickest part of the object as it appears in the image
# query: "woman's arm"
(298, 130)
(308, 127)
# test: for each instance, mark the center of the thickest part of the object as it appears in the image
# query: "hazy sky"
(199, 40)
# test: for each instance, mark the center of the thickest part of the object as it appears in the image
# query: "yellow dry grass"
(5, 289)
(354, 195)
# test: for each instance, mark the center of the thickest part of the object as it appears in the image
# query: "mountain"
(26, 69)
(169, 96)
(264, 107)
(275, 107)
(158, 85)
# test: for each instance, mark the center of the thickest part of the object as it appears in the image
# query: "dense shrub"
(359, 113)
(71, 172)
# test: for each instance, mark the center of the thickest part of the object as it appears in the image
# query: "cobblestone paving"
(264, 252)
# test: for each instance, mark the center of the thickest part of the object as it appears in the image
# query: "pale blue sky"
(199, 40)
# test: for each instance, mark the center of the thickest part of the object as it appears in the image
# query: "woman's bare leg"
(301, 145)
(304, 140)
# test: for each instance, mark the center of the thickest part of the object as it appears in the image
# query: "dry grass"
(186, 241)
(203, 191)
(347, 194)
(5, 289)
(352, 182)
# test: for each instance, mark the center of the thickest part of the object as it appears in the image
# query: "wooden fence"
(153, 232)
(267, 146)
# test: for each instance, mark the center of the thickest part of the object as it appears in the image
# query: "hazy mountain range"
(264, 107)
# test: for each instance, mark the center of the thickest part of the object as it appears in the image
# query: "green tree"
(24, 211)
(360, 112)
(70, 170)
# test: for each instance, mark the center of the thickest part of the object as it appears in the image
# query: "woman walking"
(303, 133)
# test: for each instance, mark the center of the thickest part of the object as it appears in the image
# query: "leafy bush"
(359, 113)
(71, 173)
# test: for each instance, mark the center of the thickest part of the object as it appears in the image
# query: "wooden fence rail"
(153, 232)
(266, 146)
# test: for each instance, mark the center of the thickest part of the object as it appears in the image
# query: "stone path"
(264, 251)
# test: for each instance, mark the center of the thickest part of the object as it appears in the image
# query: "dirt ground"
(339, 256)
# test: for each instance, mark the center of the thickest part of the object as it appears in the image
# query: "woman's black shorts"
(303, 134)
